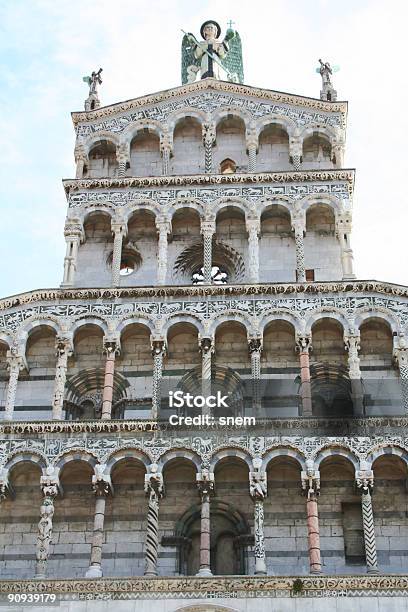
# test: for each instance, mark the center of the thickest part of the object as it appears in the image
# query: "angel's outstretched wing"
(233, 60)
(187, 58)
(87, 80)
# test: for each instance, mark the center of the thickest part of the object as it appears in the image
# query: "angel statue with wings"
(212, 57)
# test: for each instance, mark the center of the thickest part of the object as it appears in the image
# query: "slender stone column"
(252, 148)
(258, 492)
(255, 349)
(164, 228)
(295, 152)
(304, 346)
(15, 363)
(73, 235)
(352, 345)
(102, 487)
(298, 227)
(111, 348)
(365, 482)
(311, 486)
(49, 487)
(154, 489)
(207, 230)
(207, 349)
(123, 157)
(205, 483)
(119, 231)
(253, 228)
(343, 232)
(158, 352)
(209, 135)
(166, 150)
(64, 349)
(401, 356)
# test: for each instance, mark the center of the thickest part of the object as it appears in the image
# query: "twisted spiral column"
(365, 483)
(209, 133)
(154, 488)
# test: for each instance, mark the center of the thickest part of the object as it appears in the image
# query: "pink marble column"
(108, 381)
(313, 534)
(304, 346)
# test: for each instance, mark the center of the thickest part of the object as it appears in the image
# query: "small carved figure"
(93, 81)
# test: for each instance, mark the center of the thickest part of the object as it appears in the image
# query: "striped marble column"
(205, 483)
(154, 489)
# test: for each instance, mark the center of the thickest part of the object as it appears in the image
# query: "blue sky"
(47, 46)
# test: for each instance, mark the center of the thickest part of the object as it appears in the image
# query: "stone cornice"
(189, 291)
(277, 426)
(190, 587)
(206, 85)
(212, 179)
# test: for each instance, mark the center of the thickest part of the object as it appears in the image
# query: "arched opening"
(145, 158)
(228, 166)
(140, 249)
(73, 522)
(183, 359)
(330, 382)
(94, 252)
(345, 524)
(188, 149)
(280, 368)
(19, 520)
(41, 362)
(125, 520)
(317, 152)
(102, 160)
(321, 238)
(286, 531)
(380, 379)
(276, 246)
(231, 143)
(273, 152)
(135, 364)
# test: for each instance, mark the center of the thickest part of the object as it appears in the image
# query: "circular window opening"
(126, 267)
(219, 276)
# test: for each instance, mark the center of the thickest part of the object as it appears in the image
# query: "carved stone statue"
(212, 57)
(93, 81)
(326, 70)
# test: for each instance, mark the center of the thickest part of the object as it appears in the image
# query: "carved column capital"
(73, 230)
(154, 481)
(206, 344)
(15, 359)
(166, 143)
(163, 225)
(253, 226)
(298, 222)
(119, 226)
(400, 354)
(343, 223)
(50, 482)
(205, 482)
(255, 344)
(252, 139)
(207, 227)
(111, 345)
(80, 153)
(310, 479)
(64, 346)
(365, 480)
(209, 133)
(258, 484)
(101, 482)
(158, 345)
(303, 343)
